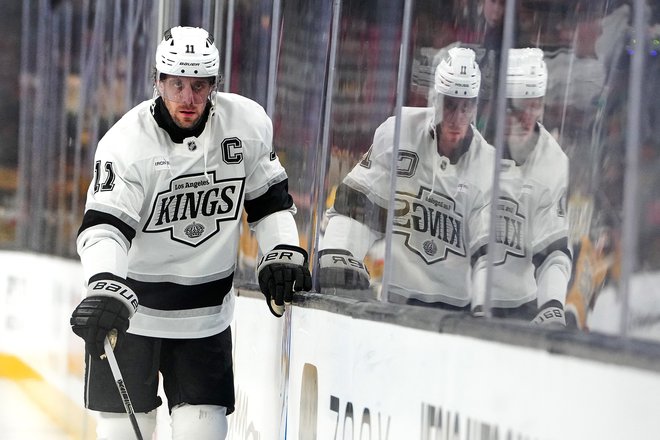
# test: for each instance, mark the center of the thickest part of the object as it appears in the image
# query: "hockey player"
(532, 262)
(444, 175)
(159, 239)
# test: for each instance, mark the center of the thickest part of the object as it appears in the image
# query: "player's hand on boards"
(551, 314)
(282, 271)
(338, 268)
(109, 304)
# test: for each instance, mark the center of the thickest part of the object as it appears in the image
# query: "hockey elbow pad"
(338, 268)
(551, 314)
(280, 272)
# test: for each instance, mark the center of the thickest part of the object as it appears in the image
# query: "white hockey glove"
(109, 304)
(282, 271)
(551, 314)
(338, 268)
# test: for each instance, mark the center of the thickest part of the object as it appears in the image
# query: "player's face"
(457, 113)
(494, 12)
(185, 98)
(522, 114)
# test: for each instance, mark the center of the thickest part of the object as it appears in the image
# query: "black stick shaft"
(123, 392)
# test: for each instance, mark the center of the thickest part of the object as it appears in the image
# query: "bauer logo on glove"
(111, 288)
(338, 268)
(282, 271)
(109, 305)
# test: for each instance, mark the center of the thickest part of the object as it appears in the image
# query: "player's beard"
(450, 137)
(185, 116)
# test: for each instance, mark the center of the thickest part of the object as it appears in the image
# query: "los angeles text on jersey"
(193, 207)
(430, 224)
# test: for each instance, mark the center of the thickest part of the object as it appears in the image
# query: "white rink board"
(361, 379)
(396, 382)
(257, 339)
(37, 295)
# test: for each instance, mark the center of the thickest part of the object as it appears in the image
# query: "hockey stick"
(119, 380)
(284, 363)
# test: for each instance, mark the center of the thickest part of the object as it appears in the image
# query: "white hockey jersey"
(442, 204)
(175, 208)
(532, 223)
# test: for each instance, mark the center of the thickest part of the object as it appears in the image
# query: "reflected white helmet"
(187, 51)
(527, 74)
(458, 74)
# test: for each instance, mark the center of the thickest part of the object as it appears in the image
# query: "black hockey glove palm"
(551, 314)
(338, 268)
(110, 303)
(281, 272)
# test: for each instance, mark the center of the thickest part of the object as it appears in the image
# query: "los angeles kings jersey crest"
(430, 223)
(194, 207)
(441, 206)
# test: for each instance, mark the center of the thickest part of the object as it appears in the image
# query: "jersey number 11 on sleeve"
(109, 181)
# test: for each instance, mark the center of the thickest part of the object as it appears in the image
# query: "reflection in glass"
(444, 173)
(532, 261)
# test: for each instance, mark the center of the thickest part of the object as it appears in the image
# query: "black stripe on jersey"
(94, 218)
(173, 296)
(277, 198)
(356, 205)
(560, 245)
(478, 254)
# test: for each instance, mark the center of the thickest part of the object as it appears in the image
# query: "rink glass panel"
(295, 104)
(581, 66)
(591, 110)
(83, 64)
(360, 95)
(587, 49)
(428, 229)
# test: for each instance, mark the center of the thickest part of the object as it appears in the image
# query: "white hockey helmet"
(527, 74)
(458, 74)
(187, 51)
